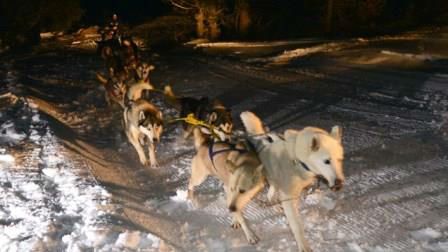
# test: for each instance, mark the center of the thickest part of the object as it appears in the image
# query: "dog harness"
(232, 147)
(259, 142)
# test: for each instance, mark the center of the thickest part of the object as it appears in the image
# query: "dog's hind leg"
(292, 215)
(251, 237)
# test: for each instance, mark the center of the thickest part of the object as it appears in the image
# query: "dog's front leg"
(251, 237)
(292, 215)
(271, 193)
(141, 153)
(152, 155)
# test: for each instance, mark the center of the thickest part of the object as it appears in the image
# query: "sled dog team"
(287, 162)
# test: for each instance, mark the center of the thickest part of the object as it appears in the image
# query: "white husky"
(294, 161)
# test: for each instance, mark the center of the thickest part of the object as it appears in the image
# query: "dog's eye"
(242, 191)
(327, 161)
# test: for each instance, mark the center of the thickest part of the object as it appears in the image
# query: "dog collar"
(297, 161)
(305, 166)
(232, 147)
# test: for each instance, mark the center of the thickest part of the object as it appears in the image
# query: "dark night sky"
(22, 20)
(130, 11)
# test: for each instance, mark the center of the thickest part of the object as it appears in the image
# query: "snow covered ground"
(70, 182)
(50, 202)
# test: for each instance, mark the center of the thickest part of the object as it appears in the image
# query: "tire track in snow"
(250, 71)
(363, 181)
(365, 224)
(273, 100)
(384, 214)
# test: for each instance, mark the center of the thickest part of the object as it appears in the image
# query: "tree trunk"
(243, 18)
(213, 23)
(215, 31)
(200, 25)
(329, 17)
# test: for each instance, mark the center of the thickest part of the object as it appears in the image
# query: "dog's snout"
(232, 208)
(322, 179)
(338, 184)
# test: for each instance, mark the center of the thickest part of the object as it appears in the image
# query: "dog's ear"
(212, 118)
(315, 143)
(151, 67)
(160, 115)
(126, 42)
(141, 116)
(336, 133)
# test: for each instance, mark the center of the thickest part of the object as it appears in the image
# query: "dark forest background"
(175, 21)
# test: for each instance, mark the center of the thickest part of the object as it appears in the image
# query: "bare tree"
(242, 17)
(369, 10)
(24, 20)
(207, 13)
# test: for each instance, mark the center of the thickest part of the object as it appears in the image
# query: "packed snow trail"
(395, 123)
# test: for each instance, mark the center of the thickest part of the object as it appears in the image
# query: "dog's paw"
(143, 161)
(305, 249)
(235, 225)
(253, 239)
(271, 195)
(190, 194)
(193, 199)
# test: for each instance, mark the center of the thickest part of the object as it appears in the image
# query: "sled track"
(384, 198)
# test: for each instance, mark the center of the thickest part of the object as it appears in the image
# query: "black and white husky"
(143, 125)
(213, 112)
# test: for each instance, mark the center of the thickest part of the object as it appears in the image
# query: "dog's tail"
(252, 124)
(101, 78)
(171, 97)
